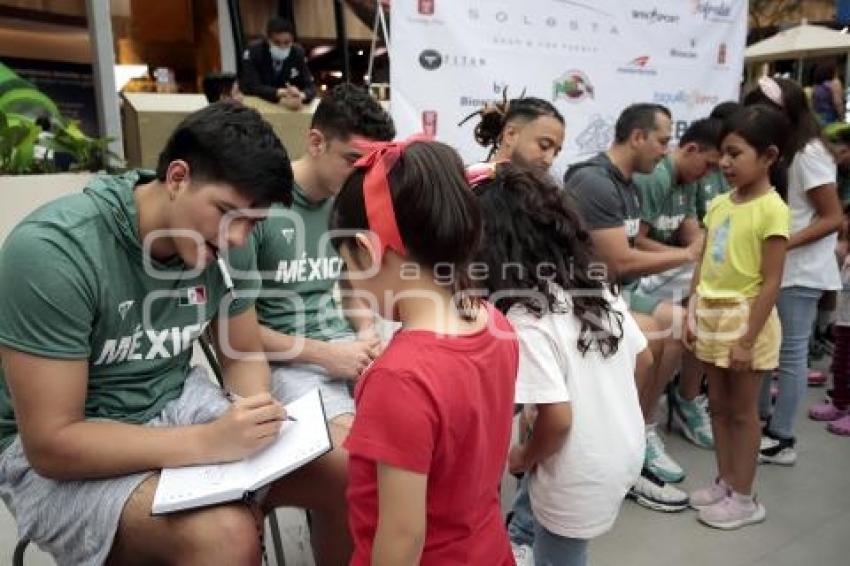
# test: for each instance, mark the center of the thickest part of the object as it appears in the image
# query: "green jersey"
(708, 187)
(76, 285)
(300, 268)
(664, 205)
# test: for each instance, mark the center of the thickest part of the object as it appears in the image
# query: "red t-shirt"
(440, 406)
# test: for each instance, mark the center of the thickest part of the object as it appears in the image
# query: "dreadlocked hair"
(496, 115)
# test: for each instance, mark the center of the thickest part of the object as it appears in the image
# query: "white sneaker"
(709, 495)
(657, 459)
(523, 554)
(733, 512)
(652, 492)
(777, 451)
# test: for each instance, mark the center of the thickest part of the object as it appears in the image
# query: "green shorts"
(639, 302)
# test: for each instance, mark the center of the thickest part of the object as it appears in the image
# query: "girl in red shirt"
(431, 431)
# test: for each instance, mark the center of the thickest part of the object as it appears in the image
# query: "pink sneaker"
(733, 512)
(826, 411)
(709, 495)
(840, 426)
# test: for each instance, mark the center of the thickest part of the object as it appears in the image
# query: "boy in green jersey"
(311, 340)
(102, 294)
(669, 220)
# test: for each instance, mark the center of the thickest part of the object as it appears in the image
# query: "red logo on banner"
(426, 7)
(429, 122)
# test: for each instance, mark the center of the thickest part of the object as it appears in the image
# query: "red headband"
(378, 162)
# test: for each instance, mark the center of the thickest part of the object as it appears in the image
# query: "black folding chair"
(20, 548)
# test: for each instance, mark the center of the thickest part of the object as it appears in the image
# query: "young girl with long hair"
(736, 284)
(579, 350)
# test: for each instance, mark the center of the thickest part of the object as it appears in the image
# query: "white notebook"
(298, 443)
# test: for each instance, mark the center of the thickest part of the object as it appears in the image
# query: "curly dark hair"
(350, 110)
(530, 223)
(495, 116)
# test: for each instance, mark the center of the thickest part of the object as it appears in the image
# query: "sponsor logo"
(685, 98)
(429, 122)
(597, 136)
(654, 16)
(431, 59)
(713, 11)
(505, 15)
(689, 53)
(638, 66)
(425, 15)
(584, 31)
(679, 128)
(288, 234)
(683, 53)
(500, 90)
(124, 307)
(573, 86)
(193, 296)
(475, 102)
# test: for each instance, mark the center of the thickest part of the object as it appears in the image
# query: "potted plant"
(37, 165)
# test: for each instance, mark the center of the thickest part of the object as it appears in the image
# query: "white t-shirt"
(813, 265)
(577, 492)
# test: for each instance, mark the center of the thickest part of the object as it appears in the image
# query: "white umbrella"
(800, 42)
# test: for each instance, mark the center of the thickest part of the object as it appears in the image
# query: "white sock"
(741, 498)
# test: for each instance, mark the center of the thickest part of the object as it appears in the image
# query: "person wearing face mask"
(275, 68)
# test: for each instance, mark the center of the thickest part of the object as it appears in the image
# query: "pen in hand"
(225, 274)
(233, 397)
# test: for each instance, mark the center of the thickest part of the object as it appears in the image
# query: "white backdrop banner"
(591, 58)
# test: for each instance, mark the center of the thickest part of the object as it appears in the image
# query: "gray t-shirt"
(604, 197)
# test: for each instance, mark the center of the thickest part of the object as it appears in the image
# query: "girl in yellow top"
(737, 333)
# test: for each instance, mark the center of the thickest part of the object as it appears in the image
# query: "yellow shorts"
(722, 322)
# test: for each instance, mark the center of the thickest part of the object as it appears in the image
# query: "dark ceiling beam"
(43, 17)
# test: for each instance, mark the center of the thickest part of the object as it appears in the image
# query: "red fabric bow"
(380, 214)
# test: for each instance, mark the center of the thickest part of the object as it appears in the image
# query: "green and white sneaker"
(657, 459)
(692, 418)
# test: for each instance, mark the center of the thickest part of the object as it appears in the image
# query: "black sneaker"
(652, 492)
(775, 450)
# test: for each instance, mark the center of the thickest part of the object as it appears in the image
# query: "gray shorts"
(673, 285)
(291, 381)
(76, 521)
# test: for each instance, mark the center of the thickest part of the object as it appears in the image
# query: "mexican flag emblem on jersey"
(193, 296)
